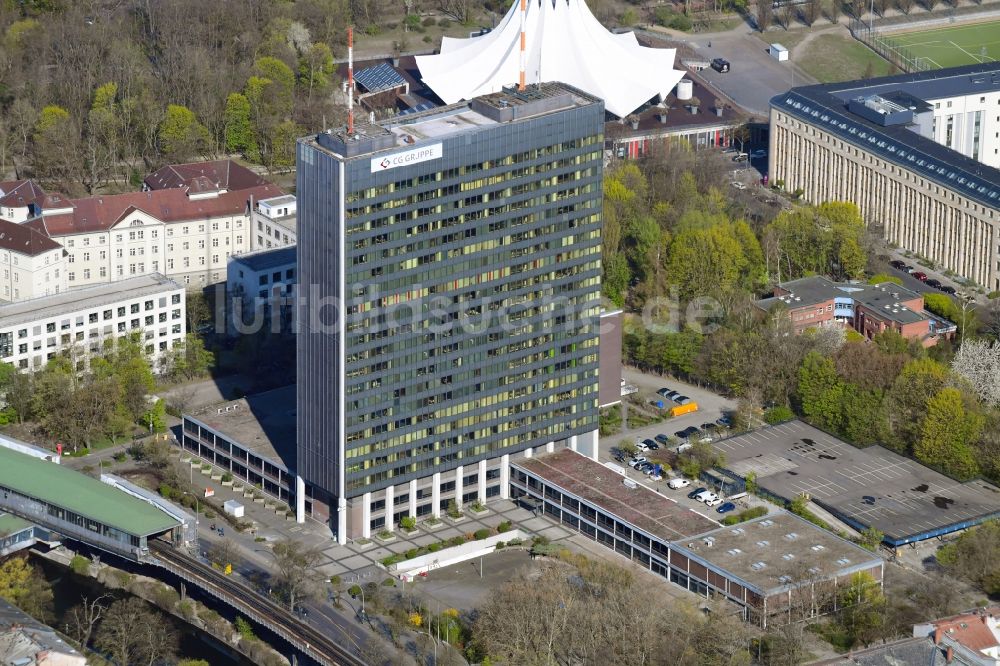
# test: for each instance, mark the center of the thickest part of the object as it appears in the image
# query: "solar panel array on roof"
(419, 107)
(380, 77)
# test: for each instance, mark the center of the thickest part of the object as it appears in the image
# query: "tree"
(765, 15)
(24, 586)
(181, 135)
(820, 391)
(871, 539)
(862, 609)
(904, 5)
(225, 552)
(55, 146)
(239, 135)
(132, 633)
(811, 11)
(975, 556)
(188, 359)
(978, 362)
(917, 382)
(948, 434)
(296, 563)
(836, 9)
(316, 68)
(83, 618)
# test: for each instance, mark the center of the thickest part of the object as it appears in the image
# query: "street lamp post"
(196, 511)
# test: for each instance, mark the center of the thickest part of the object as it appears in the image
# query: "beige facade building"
(875, 143)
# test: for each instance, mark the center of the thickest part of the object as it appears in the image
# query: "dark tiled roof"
(825, 106)
(20, 193)
(99, 213)
(267, 259)
(204, 177)
(909, 651)
(25, 240)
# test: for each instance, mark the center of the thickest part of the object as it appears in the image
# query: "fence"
(874, 34)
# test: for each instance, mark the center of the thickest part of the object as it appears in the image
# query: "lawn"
(835, 57)
(952, 46)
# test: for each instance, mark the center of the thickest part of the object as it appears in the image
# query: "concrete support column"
(528, 452)
(413, 498)
(505, 476)
(573, 441)
(366, 515)
(300, 499)
(482, 481)
(436, 495)
(550, 447)
(342, 520)
(587, 444)
(458, 485)
(390, 508)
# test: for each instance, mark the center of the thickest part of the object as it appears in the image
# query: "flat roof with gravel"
(81, 494)
(602, 487)
(263, 424)
(778, 551)
(870, 487)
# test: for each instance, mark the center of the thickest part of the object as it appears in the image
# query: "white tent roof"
(564, 42)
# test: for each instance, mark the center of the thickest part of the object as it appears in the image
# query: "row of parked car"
(920, 275)
(673, 396)
(702, 495)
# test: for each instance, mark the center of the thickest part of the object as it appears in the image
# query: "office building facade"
(464, 245)
(918, 153)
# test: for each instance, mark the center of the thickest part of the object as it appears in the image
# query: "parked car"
(705, 496)
(708, 427)
(738, 185)
(931, 282)
(908, 268)
(619, 457)
(662, 439)
(682, 400)
(675, 484)
(726, 507)
(741, 157)
(655, 477)
(725, 421)
(642, 446)
(638, 460)
(694, 493)
(757, 154)
(671, 395)
(948, 290)
(720, 65)
(897, 264)
(650, 444)
(715, 501)
(663, 392)
(687, 433)
(920, 275)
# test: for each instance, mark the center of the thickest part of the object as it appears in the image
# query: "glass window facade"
(471, 286)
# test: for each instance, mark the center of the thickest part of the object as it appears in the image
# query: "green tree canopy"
(239, 132)
(948, 435)
(181, 135)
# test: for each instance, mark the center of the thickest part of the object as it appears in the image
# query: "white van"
(674, 484)
(641, 447)
(706, 496)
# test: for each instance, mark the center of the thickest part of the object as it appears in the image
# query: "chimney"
(938, 635)
(949, 654)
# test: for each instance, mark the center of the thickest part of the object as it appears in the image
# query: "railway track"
(303, 637)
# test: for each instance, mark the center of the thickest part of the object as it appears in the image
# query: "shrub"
(411, 553)
(884, 277)
(500, 545)
(481, 534)
(335, 581)
(392, 559)
(384, 534)
(166, 597)
(354, 590)
(778, 414)
(244, 628)
(227, 477)
(434, 547)
(515, 542)
(209, 514)
(478, 506)
(503, 527)
(454, 510)
(166, 491)
(412, 22)
(120, 456)
(389, 582)
(80, 565)
(408, 522)
(456, 541)
(429, 21)
(993, 295)
(444, 23)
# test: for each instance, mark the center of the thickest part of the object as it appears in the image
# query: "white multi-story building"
(79, 321)
(187, 223)
(31, 264)
(274, 222)
(258, 283)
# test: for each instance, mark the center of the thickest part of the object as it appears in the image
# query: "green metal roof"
(10, 524)
(81, 494)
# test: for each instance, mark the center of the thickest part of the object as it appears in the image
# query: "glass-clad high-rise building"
(462, 247)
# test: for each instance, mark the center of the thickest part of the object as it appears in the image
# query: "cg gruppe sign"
(415, 156)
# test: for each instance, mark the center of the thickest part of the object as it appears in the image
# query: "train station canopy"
(563, 42)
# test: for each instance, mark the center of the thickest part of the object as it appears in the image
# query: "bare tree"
(785, 15)
(765, 15)
(225, 552)
(811, 11)
(296, 569)
(83, 618)
(978, 362)
(836, 8)
(904, 5)
(132, 633)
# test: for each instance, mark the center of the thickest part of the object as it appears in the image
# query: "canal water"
(68, 588)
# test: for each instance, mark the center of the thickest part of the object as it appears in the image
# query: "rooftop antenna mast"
(524, 8)
(350, 81)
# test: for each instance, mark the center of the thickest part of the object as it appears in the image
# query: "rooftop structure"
(905, 652)
(777, 552)
(204, 177)
(264, 260)
(61, 486)
(263, 424)
(974, 635)
(24, 641)
(46, 307)
(562, 41)
(594, 482)
(871, 487)
(22, 239)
